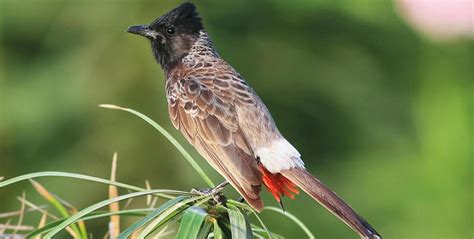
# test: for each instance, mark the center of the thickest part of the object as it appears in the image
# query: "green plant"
(198, 216)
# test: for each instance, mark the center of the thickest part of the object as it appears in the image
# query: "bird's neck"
(203, 46)
(202, 50)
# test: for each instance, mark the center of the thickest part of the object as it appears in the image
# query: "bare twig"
(22, 214)
(16, 213)
(42, 223)
(34, 207)
(16, 227)
(148, 197)
(3, 229)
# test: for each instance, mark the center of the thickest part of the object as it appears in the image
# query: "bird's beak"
(142, 30)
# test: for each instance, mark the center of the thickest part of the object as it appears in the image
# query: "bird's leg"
(210, 191)
(215, 192)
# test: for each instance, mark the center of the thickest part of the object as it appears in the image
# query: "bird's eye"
(170, 30)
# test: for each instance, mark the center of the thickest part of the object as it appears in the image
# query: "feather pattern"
(221, 115)
(203, 95)
(225, 120)
(331, 201)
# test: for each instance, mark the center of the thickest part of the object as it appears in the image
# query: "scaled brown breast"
(202, 103)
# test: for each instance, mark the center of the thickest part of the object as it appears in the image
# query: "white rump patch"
(280, 155)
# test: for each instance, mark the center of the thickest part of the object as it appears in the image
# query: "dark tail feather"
(319, 192)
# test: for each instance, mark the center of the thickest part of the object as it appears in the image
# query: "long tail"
(322, 194)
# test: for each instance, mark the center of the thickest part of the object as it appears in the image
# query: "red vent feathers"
(278, 185)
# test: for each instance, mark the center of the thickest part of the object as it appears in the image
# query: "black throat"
(169, 54)
(161, 55)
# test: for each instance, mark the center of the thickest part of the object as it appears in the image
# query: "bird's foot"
(215, 192)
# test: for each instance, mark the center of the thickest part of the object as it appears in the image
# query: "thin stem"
(170, 138)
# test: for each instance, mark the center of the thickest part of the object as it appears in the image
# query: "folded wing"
(201, 106)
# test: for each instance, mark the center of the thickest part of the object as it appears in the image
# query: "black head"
(173, 34)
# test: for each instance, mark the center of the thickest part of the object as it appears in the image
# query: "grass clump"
(196, 216)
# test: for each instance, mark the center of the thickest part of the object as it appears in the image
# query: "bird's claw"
(215, 193)
(202, 192)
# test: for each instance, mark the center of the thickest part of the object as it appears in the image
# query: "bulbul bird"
(224, 119)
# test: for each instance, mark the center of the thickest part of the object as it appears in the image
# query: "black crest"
(185, 17)
(173, 34)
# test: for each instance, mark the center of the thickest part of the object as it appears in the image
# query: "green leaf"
(54, 201)
(169, 213)
(139, 212)
(78, 176)
(294, 219)
(129, 231)
(218, 234)
(98, 205)
(239, 225)
(269, 234)
(191, 223)
(205, 230)
(262, 233)
(44, 229)
(170, 138)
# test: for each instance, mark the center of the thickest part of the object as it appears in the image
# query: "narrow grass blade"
(250, 209)
(78, 176)
(170, 138)
(258, 236)
(14, 213)
(170, 213)
(114, 224)
(191, 222)
(81, 224)
(165, 231)
(44, 229)
(148, 198)
(15, 227)
(218, 234)
(42, 223)
(34, 207)
(269, 234)
(140, 212)
(262, 232)
(240, 205)
(294, 219)
(239, 225)
(129, 231)
(205, 229)
(56, 204)
(18, 212)
(3, 227)
(101, 204)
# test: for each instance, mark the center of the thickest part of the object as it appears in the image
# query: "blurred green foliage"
(379, 112)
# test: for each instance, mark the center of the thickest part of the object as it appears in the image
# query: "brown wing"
(202, 107)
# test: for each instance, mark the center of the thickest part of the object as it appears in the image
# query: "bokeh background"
(379, 106)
